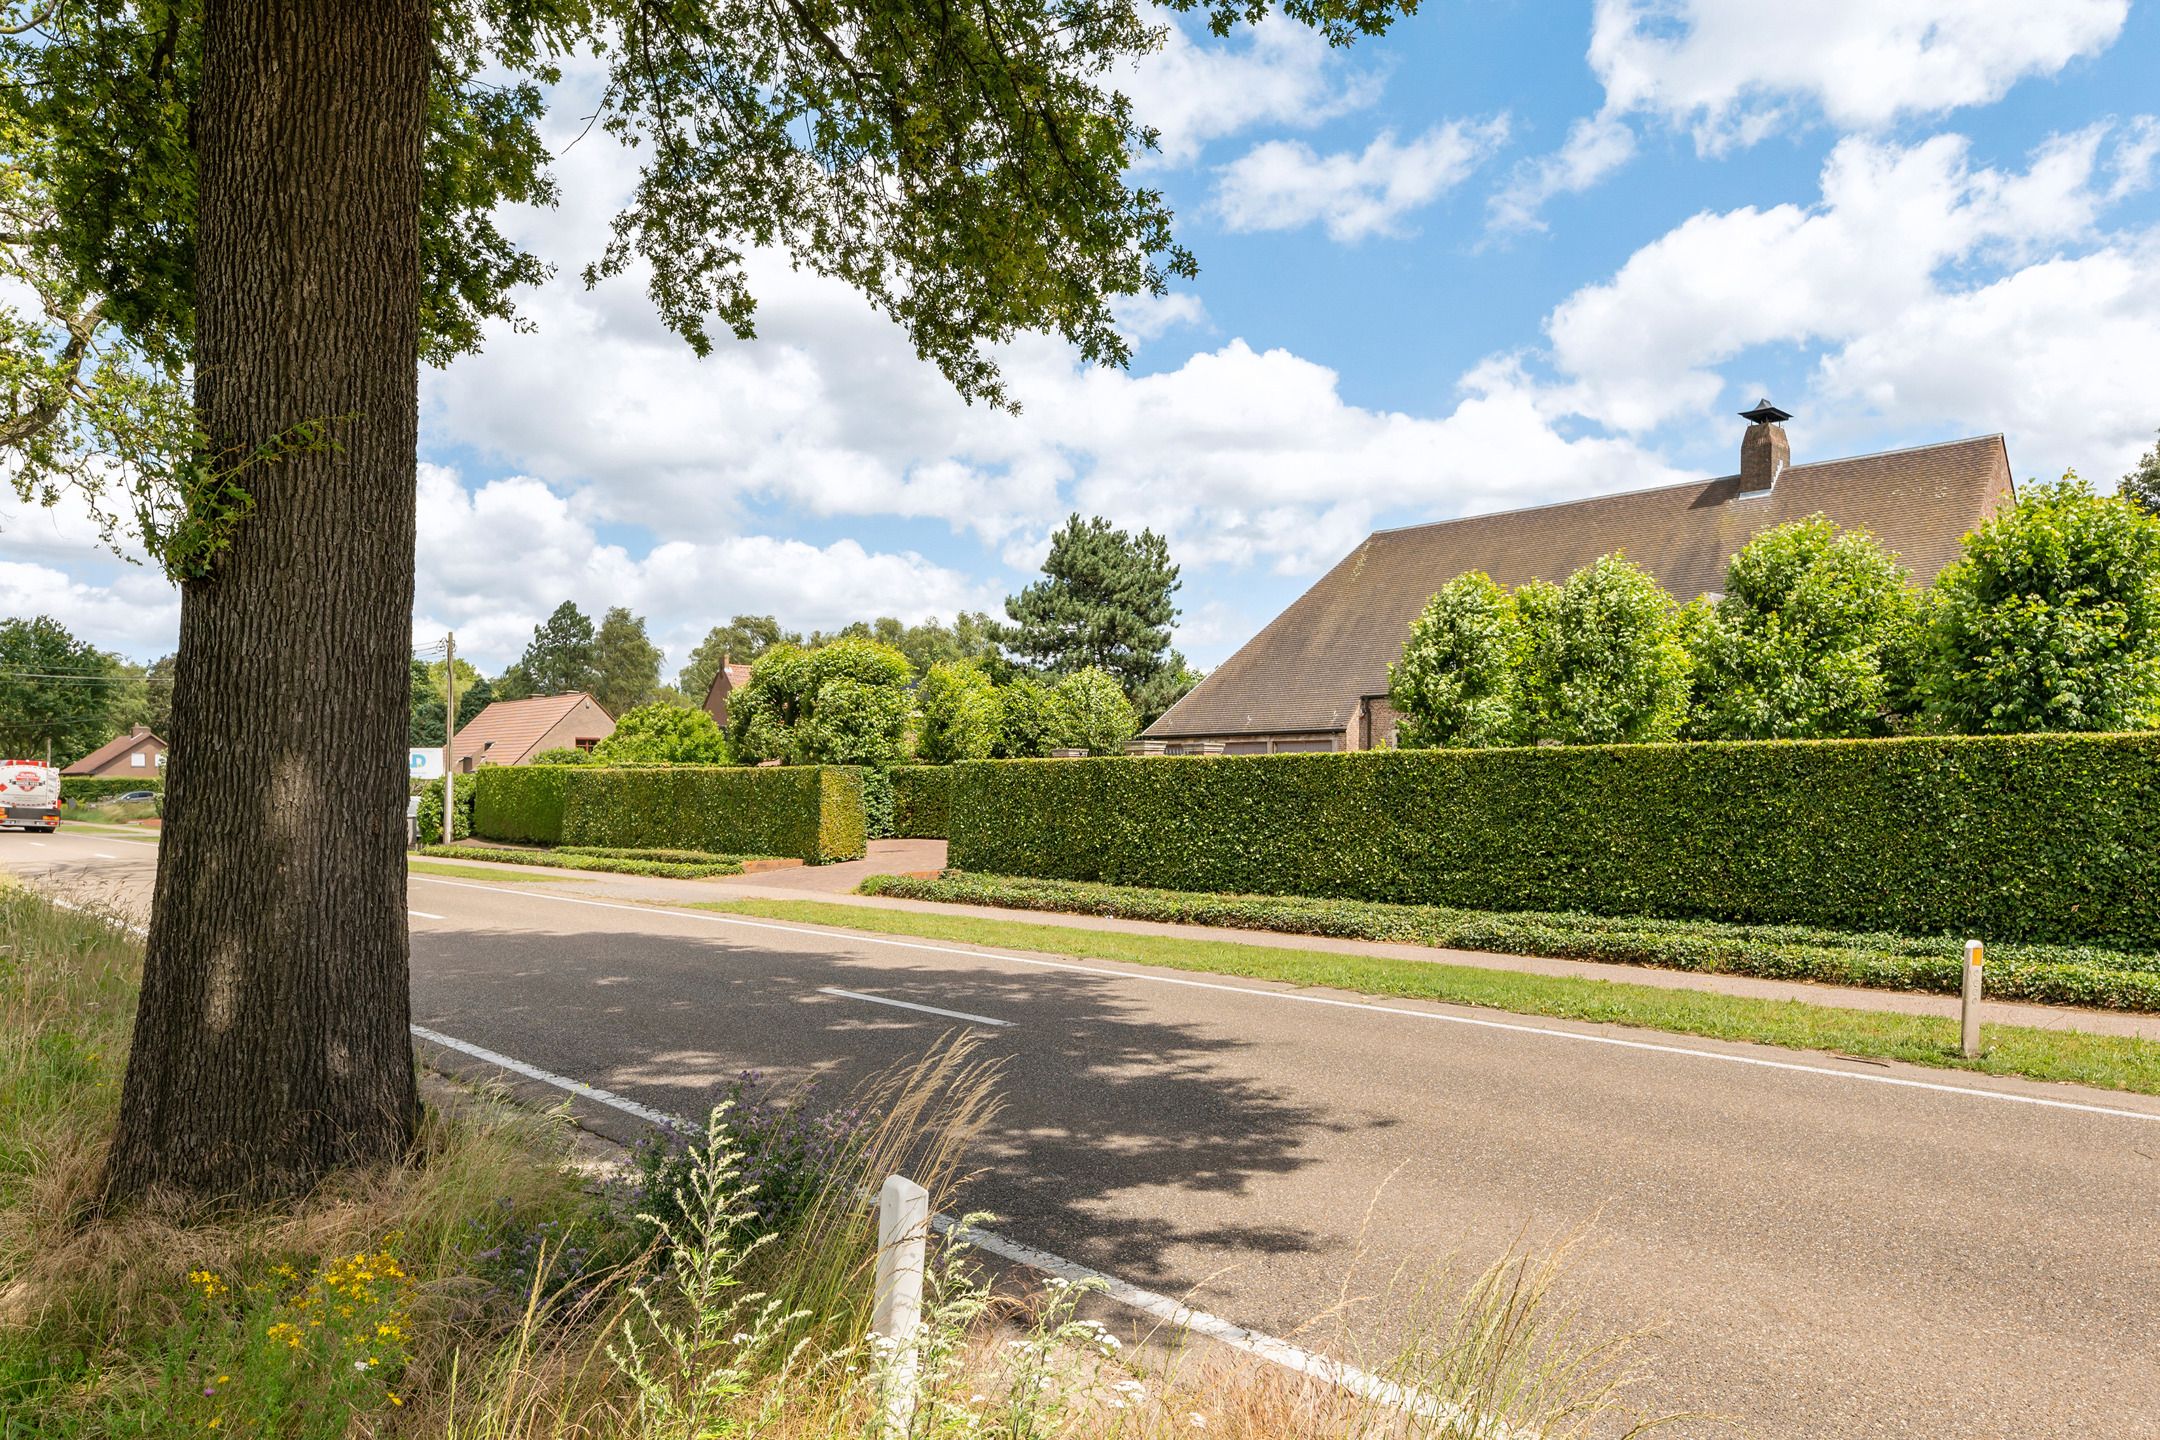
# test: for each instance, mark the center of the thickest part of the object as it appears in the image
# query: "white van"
(29, 795)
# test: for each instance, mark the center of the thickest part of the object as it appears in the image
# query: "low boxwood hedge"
(2044, 974)
(2026, 837)
(84, 788)
(811, 812)
(922, 797)
(618, 863)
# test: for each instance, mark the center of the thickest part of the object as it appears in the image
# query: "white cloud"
(1278, 72)
(1641, 347)
(1283, 184)
(1596, 146)
(496, 558)
(2063, 355)
(135, 613)
(1142, 318)
(1734, 70)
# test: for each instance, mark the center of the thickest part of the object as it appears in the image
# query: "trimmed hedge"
(618, 863)
(922, 797)
(2043, 974)
(811, 812)
(2019, 837)
(84, 788)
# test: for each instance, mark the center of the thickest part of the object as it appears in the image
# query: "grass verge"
(2043, 974)
(483, 1290)
(668, 864)
(475, 872)
(2107, 1061)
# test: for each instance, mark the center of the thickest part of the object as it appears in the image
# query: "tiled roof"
(514, 727)
(736, 676)
(1306, 670)
(110, 751)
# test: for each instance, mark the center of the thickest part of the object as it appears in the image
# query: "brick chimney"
(1764, 451)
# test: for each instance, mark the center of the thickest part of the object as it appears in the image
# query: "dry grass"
(521, 1281)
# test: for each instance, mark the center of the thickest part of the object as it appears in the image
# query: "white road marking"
(561, 1082)
(101, 855)
(911, 1005)
(1172, 1312)
(425, 914)
(2008, 1097)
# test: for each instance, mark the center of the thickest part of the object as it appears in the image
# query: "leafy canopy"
(54, 689)
(626, 663)
(1602, 662)
(1091, 713)
(1103, 603)
(963, 167)
(1811, 639)
(738, 642)
(1455, 684)
(959, 714)
(2051, 620)
(663, 735)
(842, 704)
(1027, 720)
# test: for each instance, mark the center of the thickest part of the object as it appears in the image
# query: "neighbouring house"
(1317, 677)
(725, 682)
(137, 753)
(511, 732)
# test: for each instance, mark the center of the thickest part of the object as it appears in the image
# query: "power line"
(78, 677)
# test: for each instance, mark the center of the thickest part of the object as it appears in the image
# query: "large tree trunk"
(271, 1042)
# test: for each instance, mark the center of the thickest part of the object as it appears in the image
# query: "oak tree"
(275, 210)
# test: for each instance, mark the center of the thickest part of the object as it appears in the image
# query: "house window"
(161, 759)
(586, 742)
(138, 760)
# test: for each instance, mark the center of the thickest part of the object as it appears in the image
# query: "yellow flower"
(393, 1397)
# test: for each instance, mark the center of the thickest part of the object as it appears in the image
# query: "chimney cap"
(1765, 413)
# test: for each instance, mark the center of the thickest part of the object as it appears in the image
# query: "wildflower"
(360, 1364)
(393, 1397)
(1199, 1421)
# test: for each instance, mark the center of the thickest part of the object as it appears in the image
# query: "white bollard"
(896, 1313)
(1969, 1011)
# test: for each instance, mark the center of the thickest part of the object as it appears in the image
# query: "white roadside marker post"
(1969, 1013)
(896, 1314)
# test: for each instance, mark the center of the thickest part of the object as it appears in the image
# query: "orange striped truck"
(29, 795)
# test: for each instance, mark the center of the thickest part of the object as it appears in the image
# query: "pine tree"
(1103, 603)
(562, 655)
(626, 664)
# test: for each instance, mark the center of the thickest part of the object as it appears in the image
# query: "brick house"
(511, 732)
(1317, 677)
(138, 753)
(725, 682)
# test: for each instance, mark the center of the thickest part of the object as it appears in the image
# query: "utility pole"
(449, 754)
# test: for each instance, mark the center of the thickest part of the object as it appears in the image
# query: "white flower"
(359, 1364)
(1130, 1387)
(1199, 1421)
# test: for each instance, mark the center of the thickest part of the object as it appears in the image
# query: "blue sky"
(1510, 253)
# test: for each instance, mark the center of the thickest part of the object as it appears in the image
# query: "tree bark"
(271, 1042)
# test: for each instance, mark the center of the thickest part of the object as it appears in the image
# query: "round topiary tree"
(663, 735)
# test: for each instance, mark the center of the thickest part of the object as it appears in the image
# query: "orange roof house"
(138, 753)
(511, 732)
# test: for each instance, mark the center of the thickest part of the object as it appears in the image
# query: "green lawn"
(476, 872)
(2112, 1062)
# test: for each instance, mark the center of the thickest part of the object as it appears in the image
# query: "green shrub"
(617, 863)
(921, 799)
(2044, 974)
(877, 800)
(810, 812)
(2041, 837)
(82, 789)
(429, 820)
(563, 755)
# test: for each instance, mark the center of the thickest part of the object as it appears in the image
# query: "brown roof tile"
(507, 730)
(1307, 669)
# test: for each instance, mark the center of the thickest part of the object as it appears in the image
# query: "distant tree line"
(1082, 661)
(2050, 620)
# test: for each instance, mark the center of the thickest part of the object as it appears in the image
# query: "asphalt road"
(1817, 1255)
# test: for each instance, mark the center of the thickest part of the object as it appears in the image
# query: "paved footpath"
(1821, 1247)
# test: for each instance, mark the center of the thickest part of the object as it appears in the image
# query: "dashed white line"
(561, 1082)
(2007, 1097)
(911, 1005)
(425, 914)
(101, 855)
